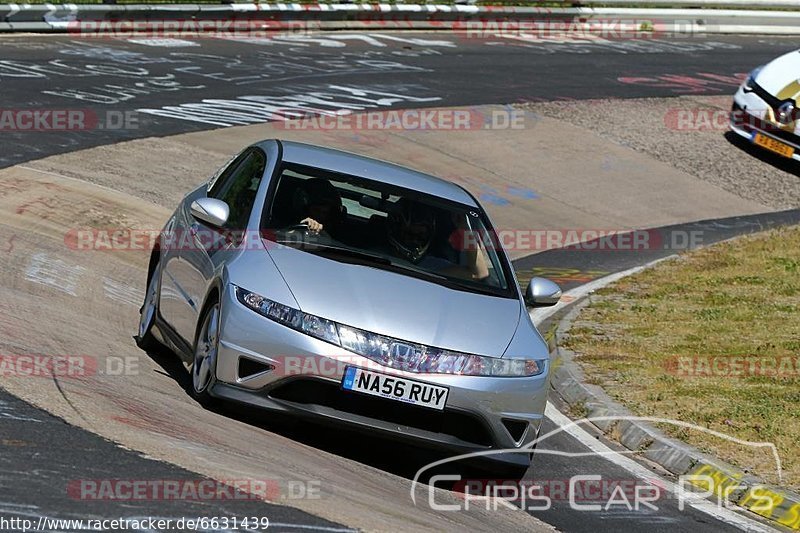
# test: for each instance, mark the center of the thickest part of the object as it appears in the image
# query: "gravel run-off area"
(691, 134)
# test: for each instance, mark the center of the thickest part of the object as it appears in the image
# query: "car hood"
(396, 305)
(780, 76)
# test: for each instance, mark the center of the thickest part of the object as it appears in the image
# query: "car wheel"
(147, 315)
(206, 347)
(507, 471)
(518, 473)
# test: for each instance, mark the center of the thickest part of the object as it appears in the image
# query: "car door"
(174, 302)
(212, 245)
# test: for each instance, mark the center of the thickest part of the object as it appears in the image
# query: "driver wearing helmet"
(411, 232)
(323, 206)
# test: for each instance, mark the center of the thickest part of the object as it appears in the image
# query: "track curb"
(737, 486)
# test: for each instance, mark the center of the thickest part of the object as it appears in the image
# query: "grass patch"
(712, 338)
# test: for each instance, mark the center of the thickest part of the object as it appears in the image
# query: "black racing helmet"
(411, 227)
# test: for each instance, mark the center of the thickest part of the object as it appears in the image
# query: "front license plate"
(395, 388)
(772, 145)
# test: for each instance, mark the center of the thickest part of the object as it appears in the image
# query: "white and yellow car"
(765, 106)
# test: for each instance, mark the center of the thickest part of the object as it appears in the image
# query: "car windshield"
(357, 220)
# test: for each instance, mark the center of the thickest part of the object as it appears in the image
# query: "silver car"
(324, 284)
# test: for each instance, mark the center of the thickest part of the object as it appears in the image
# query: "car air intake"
(515, 428)
(454, 423)
(250, 367)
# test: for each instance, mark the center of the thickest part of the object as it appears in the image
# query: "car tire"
(147, 315)
(206, 350)
(511, 472)
(517, 473)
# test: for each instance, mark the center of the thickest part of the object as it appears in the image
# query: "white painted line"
(162, 42)
(119, 292)
(693, 500)
(710, 508)
(365, 37)
(414, 40)
(7, 412)
(45, 270)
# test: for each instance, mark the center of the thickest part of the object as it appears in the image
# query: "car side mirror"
(542, 292)
(211, 211)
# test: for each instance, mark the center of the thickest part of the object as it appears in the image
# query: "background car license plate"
(772, 145)
(395, 388)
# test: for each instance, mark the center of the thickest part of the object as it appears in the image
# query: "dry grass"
(737, 299)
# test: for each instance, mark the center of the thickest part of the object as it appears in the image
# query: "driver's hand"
(313, 225)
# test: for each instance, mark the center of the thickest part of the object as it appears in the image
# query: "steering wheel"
(303, 226)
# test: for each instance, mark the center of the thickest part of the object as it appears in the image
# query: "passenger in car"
(412, 235)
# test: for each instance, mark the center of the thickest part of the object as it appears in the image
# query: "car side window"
(220, 177)
(239, 187)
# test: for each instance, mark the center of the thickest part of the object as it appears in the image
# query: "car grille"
(748, 122)
(448, 422)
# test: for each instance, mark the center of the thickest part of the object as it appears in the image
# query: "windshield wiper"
(416, 270)
(349, 252)
(453, 283)
(402, 267)
(378, 259)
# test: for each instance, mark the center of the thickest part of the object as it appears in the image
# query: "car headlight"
(290, 317)
(750, 82)
(388, 351)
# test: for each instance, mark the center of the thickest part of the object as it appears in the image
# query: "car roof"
(375, 169)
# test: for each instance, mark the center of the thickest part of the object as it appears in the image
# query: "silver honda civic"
(324, 284)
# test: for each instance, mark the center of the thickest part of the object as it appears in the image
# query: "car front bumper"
(265, 364)
(748, 117)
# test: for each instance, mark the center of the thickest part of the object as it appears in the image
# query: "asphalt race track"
(63, 452)
(139, 88)
(110, 77)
